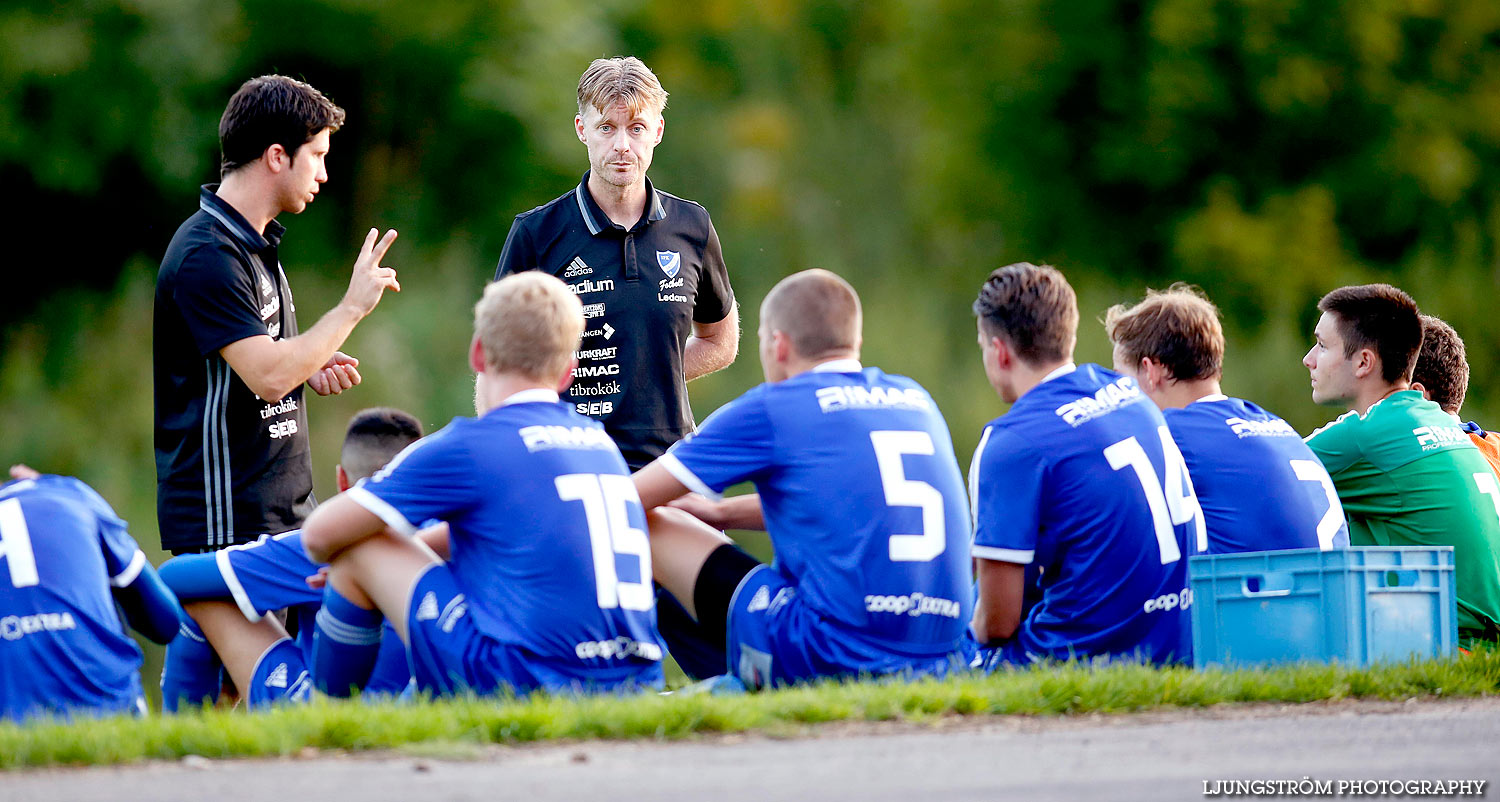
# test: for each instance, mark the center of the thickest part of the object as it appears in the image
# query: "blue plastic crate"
(1355, 606)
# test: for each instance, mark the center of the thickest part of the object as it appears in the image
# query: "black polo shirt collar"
(209, 201)
(598, 222)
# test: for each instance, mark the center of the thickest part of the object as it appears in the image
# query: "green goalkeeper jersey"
(1408, 475)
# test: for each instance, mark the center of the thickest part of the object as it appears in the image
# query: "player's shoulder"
(685, 213)
(676, 203)
(859, 387)
(1229, 415)
(1392, 418)
(201, 245)
(1076, 396)
(50, 484)
(539, 427)
(1345, 425)
(543, 214)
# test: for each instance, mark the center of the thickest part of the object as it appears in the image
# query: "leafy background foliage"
(1266, 150)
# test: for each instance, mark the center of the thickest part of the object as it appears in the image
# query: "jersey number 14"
(1171, 497)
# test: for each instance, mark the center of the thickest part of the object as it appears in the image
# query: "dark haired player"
(232, 455)
(1442, 375)
(1406, 471)
(66, 561)
(859, 490)
(1078, 489)
(228, 595)
(1259, 486)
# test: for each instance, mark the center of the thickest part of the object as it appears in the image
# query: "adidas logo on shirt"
(577, 267)
(760, 601)
(427, 610)
(277, 678)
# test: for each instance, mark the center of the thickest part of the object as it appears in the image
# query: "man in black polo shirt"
(232, 456)
(648, 268)
(646, 265)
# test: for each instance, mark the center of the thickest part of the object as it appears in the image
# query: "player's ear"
(567, 375)
(476, 355)
(781, 345)
(1423, 390)
(1004, 356)
(578, 127)
(1366, 362)
(1153, 372)
(274, 156)
(341, 479)
(661, 128)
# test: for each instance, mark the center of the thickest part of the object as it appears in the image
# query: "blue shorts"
(450, 655)
(269, 574)
(280, 676)
(775, 639)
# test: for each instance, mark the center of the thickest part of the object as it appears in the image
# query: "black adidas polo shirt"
(229, 466)
(642, 289)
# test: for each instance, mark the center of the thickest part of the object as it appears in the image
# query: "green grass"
(459, 726)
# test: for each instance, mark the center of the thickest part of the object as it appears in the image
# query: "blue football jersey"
(547, 535)
(1081, 479)
(862, 497)
(62, 647)
(1261, 488)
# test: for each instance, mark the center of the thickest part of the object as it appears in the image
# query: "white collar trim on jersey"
(532, 396)
(838, 366)
(1212, 397)
(1059, 373)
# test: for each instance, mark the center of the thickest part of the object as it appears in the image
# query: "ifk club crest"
(670, 262)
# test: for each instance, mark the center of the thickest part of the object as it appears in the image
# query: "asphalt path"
(1152, 756)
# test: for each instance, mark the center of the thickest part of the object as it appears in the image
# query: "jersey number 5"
(890, 447)
(15, 544)
(605, 500)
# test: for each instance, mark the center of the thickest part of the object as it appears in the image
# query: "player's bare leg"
(680, 545)
(239, 642)
(378, 573)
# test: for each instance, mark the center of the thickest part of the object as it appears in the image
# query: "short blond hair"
(609, 82)
(817, 310)
(529, 325)
(1177, 328)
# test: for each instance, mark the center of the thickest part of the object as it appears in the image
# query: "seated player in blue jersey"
(548, 583)
(68, 560)
(228, 594)
(1259, 486)
(1081, 482)
(859, 490)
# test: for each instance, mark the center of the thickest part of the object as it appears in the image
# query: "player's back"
(62, 647)
(1408, 474)
(547, 536)
(864, 503)
(1260, 487)
(1082, 479)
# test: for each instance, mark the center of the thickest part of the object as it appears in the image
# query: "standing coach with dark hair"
(232, 454)
(657, 306)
